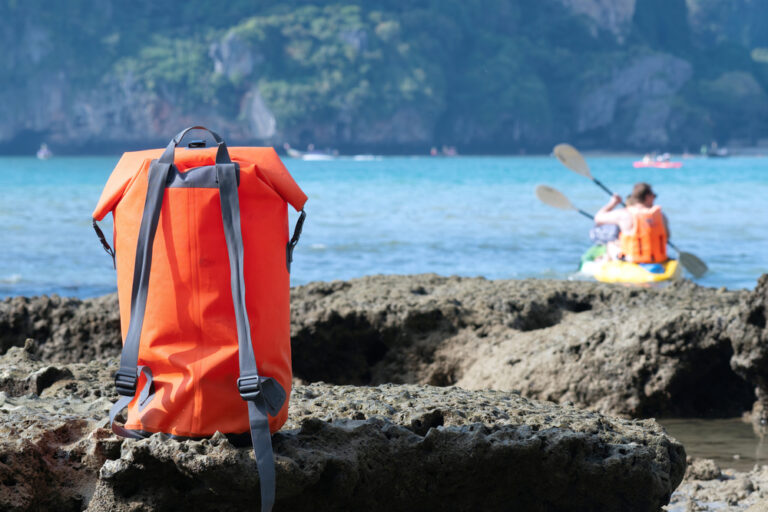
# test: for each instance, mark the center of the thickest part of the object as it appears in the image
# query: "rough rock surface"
(750, 344)
(68, 329)
(628, 351)
(638, 352)
(707, 488)
(391, 447)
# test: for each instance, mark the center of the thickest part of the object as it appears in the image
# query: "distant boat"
(718, 153)
(450, 151)
(293, 153)
(662, 161)
(657, 165)
(315, 156)
(44, 153)
(311, 154)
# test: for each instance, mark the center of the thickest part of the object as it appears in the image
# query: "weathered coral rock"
(728, 491)
(750, 344)
(391, 447)
(637, 352)
(627, 351)
(67, 329)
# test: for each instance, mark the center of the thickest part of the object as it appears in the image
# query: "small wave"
(12, 279)
(318, 247)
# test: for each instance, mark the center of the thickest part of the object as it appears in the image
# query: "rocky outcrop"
(628, 351)
(638, 96)
(750, 343)
(67, 329)
(609, 15)
(390, 447)
(707, 487)
(735, 21)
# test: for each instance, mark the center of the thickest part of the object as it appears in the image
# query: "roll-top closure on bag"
(198, 177)
(265, 161)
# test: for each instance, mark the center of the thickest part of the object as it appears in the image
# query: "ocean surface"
(469, 216)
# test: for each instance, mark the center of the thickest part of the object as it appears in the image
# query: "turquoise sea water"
(471, 216)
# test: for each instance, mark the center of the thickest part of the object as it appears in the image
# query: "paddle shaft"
(608, 191)
(599, 184)
(590, 217)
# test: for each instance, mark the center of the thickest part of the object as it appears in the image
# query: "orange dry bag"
(203, 257)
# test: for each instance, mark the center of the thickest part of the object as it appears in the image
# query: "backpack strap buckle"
(125, 381)
(249, 387)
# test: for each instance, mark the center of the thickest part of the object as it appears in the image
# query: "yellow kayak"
(625, 272)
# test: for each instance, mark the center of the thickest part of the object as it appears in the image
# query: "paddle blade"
(572, 159)
(692, 264)
(553, 198)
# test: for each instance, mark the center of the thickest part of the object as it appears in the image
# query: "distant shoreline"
(754, 152)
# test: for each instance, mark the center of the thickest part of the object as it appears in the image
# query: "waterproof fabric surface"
(189, 336)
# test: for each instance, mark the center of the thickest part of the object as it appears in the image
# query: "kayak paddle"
(572, 159)
(690, 262)
(554, 198)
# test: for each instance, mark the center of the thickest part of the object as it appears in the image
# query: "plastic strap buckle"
(125, 382)
(249, 387)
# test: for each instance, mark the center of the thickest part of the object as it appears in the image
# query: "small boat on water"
(718, 153)
(662, 161)
(657, 165)
(311, 154)
(44, 153)
(317, 156)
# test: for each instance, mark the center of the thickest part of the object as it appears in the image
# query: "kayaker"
(644, 228)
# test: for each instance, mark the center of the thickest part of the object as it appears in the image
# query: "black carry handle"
(294, 240)
(104, 243)
(222, 155)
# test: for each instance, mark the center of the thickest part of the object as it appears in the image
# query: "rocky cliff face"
(388, 81)
(635, 101)
(613, 16)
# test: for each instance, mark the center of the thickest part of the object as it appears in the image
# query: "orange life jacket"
(202, 256)
(647, 241)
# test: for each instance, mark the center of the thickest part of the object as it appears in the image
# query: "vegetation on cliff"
(486, 75)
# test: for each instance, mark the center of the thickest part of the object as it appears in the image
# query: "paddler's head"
(643, 194)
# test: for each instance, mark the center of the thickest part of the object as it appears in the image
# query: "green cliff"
(385, 76)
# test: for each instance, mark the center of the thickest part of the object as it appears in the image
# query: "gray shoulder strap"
(263, 394)
(129, 372)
